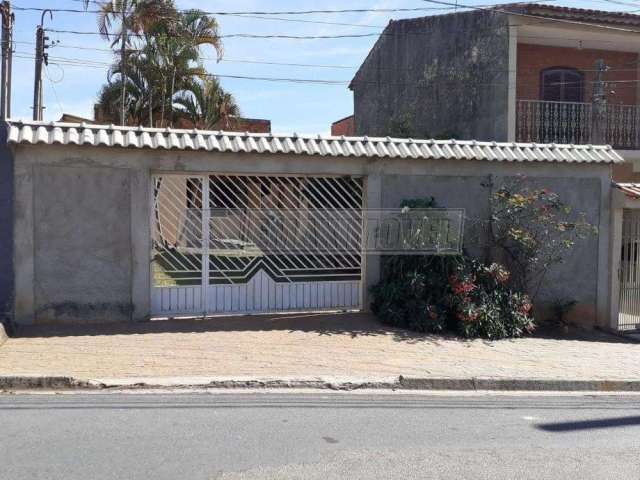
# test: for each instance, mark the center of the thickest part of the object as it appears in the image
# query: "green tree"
(162, 62)
(206, 104)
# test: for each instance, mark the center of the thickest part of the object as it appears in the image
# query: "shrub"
(455, 293)
(411, 292)
(483, 304)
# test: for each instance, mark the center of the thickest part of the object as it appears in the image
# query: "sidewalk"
(346, 347)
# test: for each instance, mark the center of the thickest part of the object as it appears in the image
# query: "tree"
(205, 104)
(163, 58)
(531, 230)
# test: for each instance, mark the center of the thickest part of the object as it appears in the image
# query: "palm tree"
(137, 87)
(181, 51)
(132, 16)
(205, 104)
(165, 59)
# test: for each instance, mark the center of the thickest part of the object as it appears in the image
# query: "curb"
(17, 383)
(35, 382)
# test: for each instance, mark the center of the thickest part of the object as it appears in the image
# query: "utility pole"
(123, 66)
(598, 105)
(41, 57)
(10, 74)
(5, 75)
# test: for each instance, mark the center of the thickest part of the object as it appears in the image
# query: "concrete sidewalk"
(346, 348)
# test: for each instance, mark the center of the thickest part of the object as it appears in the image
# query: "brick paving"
(303, 346)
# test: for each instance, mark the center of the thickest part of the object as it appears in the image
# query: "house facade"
(519, 72)
(102, 223)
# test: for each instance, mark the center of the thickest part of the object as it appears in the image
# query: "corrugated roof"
(26, 133)
(630, 189)
(577, 14)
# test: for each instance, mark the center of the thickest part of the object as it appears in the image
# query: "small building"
(345, 126)
(104, 223)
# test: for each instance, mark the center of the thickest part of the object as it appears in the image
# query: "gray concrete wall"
(437, 76)
(584, 275)
(6, 229)
(82, 219)
(82, 243)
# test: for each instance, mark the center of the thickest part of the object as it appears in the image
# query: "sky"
(292, 108)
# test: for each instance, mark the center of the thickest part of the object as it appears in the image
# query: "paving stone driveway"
(347, 345)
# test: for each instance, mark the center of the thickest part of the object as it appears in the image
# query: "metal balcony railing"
(571, 122)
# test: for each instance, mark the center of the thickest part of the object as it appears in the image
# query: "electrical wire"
(74, 63)
(257, 12)
(53, 88)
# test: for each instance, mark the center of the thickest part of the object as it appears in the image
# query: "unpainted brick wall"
(532, 59)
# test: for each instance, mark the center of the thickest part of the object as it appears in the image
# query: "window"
(559, 84)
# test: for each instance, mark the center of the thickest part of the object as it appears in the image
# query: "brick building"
(345, 126)
(518, 72)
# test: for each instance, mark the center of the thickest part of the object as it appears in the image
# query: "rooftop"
(84, 134)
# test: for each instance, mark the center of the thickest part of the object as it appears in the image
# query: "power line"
(237, 15)
(237, 35)
(261, 12)
(328, 82)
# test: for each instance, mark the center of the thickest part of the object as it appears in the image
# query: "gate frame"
(364, 262)
(619, 203)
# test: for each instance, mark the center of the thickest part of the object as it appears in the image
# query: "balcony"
(566, 122)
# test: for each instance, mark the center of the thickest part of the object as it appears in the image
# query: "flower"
(468, 317)
(525, 308)
(498, 272)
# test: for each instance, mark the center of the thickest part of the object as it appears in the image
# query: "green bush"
(411, 292)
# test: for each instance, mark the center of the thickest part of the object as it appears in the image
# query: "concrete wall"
(436, 76)
(576, 279)
(82, 219)
(82, 243)
(6, 229)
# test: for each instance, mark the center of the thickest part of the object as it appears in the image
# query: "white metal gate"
(629, 316)
(246, 244)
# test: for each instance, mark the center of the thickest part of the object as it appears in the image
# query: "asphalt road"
(326, 436)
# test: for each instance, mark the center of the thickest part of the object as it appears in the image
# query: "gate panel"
(176, 235)
(629, 316)
(246, 244)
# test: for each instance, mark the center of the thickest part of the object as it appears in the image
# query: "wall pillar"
(141, 244)
(617, 214)
(6, 231)
(23, 245)
(373, 200)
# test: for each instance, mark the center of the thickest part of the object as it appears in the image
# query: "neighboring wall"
(532, 59)
(437, 76)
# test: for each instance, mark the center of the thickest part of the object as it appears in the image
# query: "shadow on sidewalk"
(352, 324)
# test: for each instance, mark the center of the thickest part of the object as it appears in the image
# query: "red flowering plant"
(483, 305)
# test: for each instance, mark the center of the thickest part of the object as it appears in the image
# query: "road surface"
(318, 436)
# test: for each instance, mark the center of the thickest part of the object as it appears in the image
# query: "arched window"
(561, 84)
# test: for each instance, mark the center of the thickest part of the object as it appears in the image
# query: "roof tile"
(173, 139)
